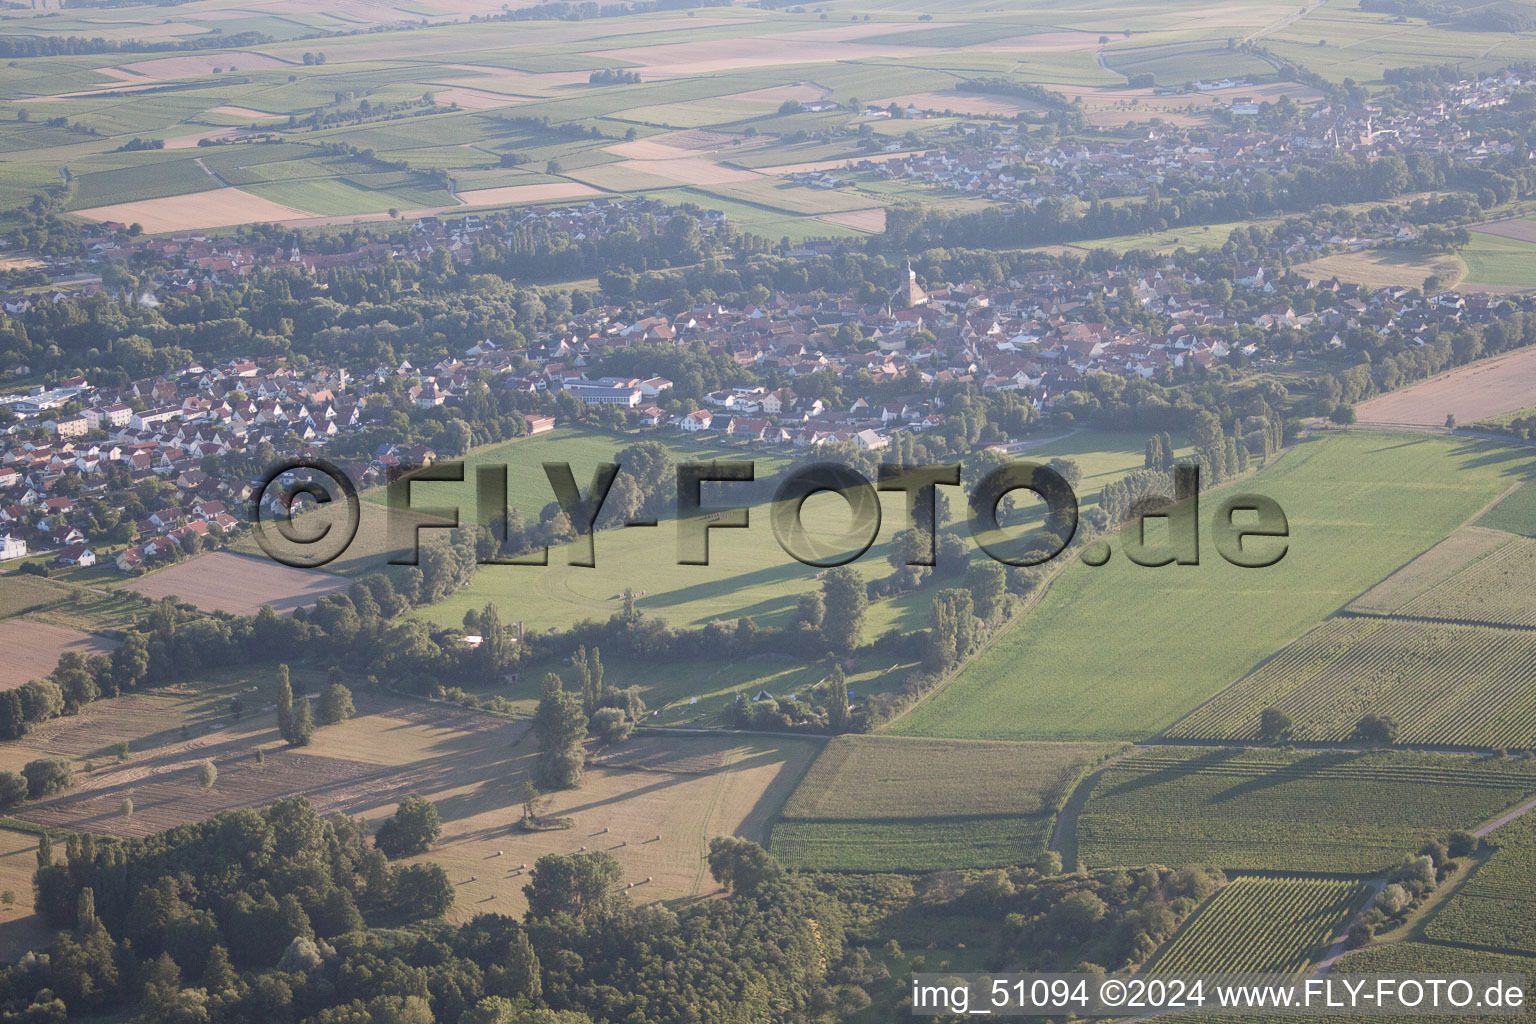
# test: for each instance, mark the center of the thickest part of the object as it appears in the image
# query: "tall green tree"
(560, 726)
(845, 600)
(284, 704)
(837, 701)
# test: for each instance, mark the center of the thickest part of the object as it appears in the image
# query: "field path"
(210, 172)
(1064, 829)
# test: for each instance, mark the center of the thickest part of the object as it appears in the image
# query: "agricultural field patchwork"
(1261, 924)
(1121, 652)
(1247, 809)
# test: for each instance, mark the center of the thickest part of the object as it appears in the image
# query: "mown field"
(1120, 652)
(1261, 924)
(1245, 809)
(1444, 684)
(1496, 907)
(878, 803)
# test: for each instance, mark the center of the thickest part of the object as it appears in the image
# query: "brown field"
(215, 208)
(33, 648)
(476, 99)
(1485, 388)
(694, 170)
(973, 103)
(191, 141)
(1437, 564)
(1381, 268)
(872, 221)
(1519, 228)
(203, 64)
(512, 194)
(222, 582)
(684, 789)
(256, 115)
(20, 928)
(621, 811)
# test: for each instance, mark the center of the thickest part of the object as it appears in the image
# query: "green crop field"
(1245, 809)
(1516, 513)
(1261, 924)
(1122, 651)
(24, 593)
(910, 845)
(1498, 261)
(1445, 684)
(881, 803)
(1496, 908)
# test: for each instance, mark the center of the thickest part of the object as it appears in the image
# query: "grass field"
(879, 803)
(1120, 652)
(1496, 908)
(1271, 810)
(20, 594)
(1499, 262)
(1445, 684)
(1516, 513)
(1261, 924)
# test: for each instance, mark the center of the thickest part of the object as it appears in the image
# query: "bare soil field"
(32, 649)
(222, 582)
(191, 141)
(215, 208)
(872, 221)
(1477, 391)
(163, 68)
(507, 194)
(1520, 228)
(1381, 268)
(20, 927)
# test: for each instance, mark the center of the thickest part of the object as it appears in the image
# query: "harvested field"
(1520, 228)
(163, 68)
(657, 823)
(20, 928)
(1383, 268)
(33, 649)
(222, 582)
(191, 141)
(661, 753)
(872, 221)
(1473, 392)
(219, 207)
(165, 790)
(689, 171)
(1431, 568)
(511, 194)
(973, 103)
